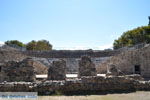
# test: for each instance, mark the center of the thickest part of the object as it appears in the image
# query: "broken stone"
(86, 67)
(113, 71)
(57, 71)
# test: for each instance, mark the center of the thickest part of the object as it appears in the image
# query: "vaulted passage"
(137, 69)
(0, 68)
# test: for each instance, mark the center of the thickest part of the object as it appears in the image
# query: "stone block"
(86, 67)
(57, 71)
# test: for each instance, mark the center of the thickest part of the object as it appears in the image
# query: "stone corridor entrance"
(137, 69)
(0, 68)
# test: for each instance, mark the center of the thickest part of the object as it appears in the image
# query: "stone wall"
(72, 64)
(71, 57)
(11, 55)
(21, 71)
(41, 66)
(71, 53)
(86, 67)
(85, 85)
(127, 60)
(57, 71)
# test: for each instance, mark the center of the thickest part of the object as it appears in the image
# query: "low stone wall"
(71, 53)
(85, 85)
(17, 86)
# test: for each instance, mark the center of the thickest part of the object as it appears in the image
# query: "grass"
(140, 95)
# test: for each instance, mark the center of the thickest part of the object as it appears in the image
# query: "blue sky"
(71, 24)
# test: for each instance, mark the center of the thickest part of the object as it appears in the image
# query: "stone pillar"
(18, 71)
(86, 67)
(1, 73)
(57, 70)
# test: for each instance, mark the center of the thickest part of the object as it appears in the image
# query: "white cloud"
(106, 46)
(72, 48)
(1, 43)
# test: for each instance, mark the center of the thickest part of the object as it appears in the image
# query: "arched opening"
(0, 69)
(137, 69)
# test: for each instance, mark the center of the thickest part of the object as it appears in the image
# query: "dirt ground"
(140, 95)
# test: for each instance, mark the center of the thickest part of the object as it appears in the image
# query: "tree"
(31, 45)
(39, 45)
(15, 42)
(133, 37)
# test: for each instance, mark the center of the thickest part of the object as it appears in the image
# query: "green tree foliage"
(39, 45)
(15, 42)
(133, 37)
(31, 45)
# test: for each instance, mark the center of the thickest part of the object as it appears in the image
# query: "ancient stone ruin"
(133, 61)
(86, 67)
(18, 71)
(57, 71)
(85, 85)
(112, 70)
(125, 71)
(24, 70)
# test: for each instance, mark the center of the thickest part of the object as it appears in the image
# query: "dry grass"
(130, 96)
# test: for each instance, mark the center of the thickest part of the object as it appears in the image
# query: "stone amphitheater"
(45, 72)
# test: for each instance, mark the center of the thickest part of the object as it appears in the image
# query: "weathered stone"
(112, 70)
(11, 55)
(57, 71)
(86, 67)
(87, 84)
(40, 68)
(135, 77)
(70, 53)
(132, 61)
(18, 71)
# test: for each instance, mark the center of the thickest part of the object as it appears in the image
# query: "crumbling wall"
(46, 58)
(86, 67)
(85, 85)
(40, 68)
(57, 71)
(18, 71)
(11, 55)
(127, 60)
(71, 53)
(72, 64)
